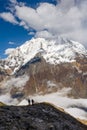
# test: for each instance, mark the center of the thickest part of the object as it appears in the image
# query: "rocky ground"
(37, 117)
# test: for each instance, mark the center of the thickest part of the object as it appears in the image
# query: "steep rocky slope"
(37, 117)
(46, 78)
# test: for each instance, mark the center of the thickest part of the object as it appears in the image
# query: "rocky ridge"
(37, 117)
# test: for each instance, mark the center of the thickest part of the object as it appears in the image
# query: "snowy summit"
(54, 52)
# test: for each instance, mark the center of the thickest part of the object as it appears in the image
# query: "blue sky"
(20, 20)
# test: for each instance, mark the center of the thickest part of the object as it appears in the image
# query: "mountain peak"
(53, 51)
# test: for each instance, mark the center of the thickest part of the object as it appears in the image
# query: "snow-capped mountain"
(54, 52)
(49, 69)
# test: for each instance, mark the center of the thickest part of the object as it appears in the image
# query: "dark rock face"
(47, 78)
(23, 69)
(62, 75)
(3, 74)
(37, 117)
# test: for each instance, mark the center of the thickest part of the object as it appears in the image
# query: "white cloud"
(68, 18)
(22, 23)
(65, 19)
(31, 33)
(45, 34)
(11, 43)
(7, 16)
(13, 1)
(31, 19)
(16, 82)
(8, 51)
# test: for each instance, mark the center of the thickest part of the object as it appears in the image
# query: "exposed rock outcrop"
(46, 78)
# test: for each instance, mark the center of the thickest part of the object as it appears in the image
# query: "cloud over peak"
(9, 50)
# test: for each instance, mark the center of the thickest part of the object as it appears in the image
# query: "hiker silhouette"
(32, 101)
(29, 101)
